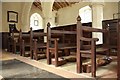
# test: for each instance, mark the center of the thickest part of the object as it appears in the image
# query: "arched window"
(36, 21)
(85, 14)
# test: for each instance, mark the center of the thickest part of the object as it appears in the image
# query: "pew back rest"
(39, 35)
(58, 34)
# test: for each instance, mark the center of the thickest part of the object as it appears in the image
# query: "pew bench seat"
(57, 60)
(97, 50)
(65, 48)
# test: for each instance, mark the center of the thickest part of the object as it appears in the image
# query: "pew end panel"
(13, 38)
(92, 50)
(39, 50)
(54, 46)
(38, 46)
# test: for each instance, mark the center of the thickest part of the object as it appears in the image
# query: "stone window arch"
(36, 21)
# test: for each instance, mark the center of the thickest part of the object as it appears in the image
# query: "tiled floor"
(109, 71)
(18, 69)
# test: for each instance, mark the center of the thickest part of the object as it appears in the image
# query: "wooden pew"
(32, 40)
(13, 36)
(37, 44)
(25, 43)
(15, 41)
(54, 47)
(71, 27)
(92, 50)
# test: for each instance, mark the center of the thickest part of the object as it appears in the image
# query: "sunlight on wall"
(85, 14)
(36, 21)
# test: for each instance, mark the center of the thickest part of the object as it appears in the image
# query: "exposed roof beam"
(69, 4)
(64, 3)
(57, 4)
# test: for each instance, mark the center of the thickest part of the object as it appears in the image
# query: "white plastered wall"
(25, 19)
(68, 15)
(109, 9)
(10, 6)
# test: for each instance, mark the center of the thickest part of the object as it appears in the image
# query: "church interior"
(60, 39)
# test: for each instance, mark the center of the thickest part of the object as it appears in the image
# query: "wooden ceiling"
(57, 4)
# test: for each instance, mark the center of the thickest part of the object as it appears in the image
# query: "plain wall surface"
(10, 6)
(68, 15)
(65, 15)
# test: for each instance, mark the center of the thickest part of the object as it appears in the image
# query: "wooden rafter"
(60, 2)
(38, 5)
(57, 4)
(69, 4)
(55, 7)
(64, 3)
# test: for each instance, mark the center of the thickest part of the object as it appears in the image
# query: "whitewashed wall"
(10, 6)
(68, 15)
(109, 9)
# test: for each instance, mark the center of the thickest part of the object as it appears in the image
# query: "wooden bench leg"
(31, 51)
(56, 57)
(79, 62)
(79, 58)
(31, 54)
(35, 50)
(20, 48)
(14, 47)
(56, 53)
(23, 48)
(93, 58)
(48, 56)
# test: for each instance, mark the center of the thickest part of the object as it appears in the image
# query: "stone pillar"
(25, 20)
(47, 13)
(97, 17)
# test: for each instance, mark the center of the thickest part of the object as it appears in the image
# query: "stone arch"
(25, 15)
(36, 21)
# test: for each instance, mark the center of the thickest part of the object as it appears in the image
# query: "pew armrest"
(89, 39)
